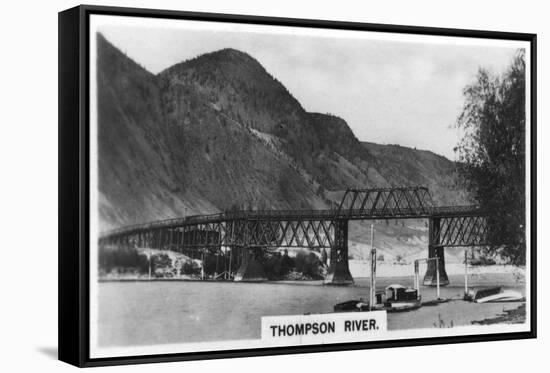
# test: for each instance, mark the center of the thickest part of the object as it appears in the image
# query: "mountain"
(218, 132)
(401, 165)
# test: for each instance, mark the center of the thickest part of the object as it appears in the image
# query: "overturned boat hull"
(505, 296)
(493, 295)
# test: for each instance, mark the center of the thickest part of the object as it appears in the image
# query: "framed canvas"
(235, 186)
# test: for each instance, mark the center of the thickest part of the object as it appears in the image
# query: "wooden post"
(230, 255)
(466, 272)
(416, 275)
(217, 259)
(372, 299)
(149, 263)
(232, 246)
(202, 265)
(437, 275)
(179, 241)
(171, 239)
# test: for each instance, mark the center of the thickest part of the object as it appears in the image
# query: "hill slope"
(405, 166)
(219, 132)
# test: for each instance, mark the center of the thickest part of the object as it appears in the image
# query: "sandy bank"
(361, 268)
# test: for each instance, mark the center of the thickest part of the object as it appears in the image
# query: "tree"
(492, 154)
(321, 191)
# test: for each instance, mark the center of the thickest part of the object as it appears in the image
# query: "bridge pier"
(338, 271)
(435, 251)
(250, 270)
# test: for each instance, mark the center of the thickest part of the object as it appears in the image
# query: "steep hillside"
(166, 152)
(405, 166)
(218, 132)
(242, 91)
(136, 182)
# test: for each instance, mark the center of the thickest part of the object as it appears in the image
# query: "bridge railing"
(328, 214)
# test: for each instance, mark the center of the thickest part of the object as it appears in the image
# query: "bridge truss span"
(449, 226)
(457, 231)
(386, 201)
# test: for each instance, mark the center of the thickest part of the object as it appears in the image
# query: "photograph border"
(74, 188)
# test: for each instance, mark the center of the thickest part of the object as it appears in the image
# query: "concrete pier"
(338, 272)
(435, 251)
(250, 270)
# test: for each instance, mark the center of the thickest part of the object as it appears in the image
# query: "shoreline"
(358, 268)
(361, 268)
(514, 316)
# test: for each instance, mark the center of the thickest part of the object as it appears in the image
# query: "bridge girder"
(315, 229)
(386, 202)
(314, 234)
(456, 231)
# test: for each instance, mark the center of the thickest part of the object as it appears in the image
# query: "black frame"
(73, 250)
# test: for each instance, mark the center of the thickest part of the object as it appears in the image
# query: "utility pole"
(372, 300)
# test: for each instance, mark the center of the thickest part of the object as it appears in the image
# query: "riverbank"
(513, 316)
(358, 269)
(142, 277)
(361, 268)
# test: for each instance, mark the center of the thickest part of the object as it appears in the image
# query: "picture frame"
(78, 280)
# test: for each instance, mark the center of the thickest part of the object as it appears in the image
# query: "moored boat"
(401, 298)
(395, 298)
(493, 294)
(351, 306)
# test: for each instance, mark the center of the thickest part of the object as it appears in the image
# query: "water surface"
(145, 313)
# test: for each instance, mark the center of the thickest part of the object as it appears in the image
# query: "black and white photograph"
(256, 186)
(260, 186)
(268, 187)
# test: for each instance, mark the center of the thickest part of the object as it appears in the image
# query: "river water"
(157, 312)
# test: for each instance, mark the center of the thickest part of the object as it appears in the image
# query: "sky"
(390, 88)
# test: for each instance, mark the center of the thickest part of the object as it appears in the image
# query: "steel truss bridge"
(243, 233)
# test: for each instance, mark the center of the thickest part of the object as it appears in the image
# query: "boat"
(493, 295)
(351, 306)
(505, 296)
(435, 302)
(401, 298)
(395, 298)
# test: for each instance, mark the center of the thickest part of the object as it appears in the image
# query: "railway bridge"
(241, 234)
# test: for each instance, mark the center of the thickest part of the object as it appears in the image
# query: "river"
(157, 312)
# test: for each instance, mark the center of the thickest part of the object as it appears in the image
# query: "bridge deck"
(301, 215)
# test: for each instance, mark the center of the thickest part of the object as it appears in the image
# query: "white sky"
(390, 88)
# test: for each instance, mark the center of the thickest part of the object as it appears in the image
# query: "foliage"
(492, 153)
(276, 265)
(213, 264)
(190, 268)
(308, 264)
(122, 259)
(483, 260)
(160, 261)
